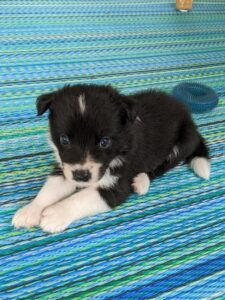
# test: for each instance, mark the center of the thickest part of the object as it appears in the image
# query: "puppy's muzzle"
(81, 175)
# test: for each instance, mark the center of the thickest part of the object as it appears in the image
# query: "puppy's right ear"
(44, 102)
(128, 111)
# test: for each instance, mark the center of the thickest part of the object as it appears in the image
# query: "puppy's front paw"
(27, 216)
(141, 183)
(55, 218)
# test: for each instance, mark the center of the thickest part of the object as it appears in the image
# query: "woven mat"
(168, 244)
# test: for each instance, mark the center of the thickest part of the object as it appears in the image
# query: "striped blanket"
(168, 244)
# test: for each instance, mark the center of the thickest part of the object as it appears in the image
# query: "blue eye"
(64, 140)
(105, 142)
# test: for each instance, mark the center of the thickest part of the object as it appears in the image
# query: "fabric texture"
(168, 244)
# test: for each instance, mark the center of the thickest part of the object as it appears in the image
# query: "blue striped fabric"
(168, 244)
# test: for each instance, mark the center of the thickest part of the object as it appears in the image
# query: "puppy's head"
(90, 129)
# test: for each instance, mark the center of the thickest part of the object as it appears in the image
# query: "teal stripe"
(146, 246)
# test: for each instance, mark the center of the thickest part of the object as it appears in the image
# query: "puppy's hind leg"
(190, 148)
(199, 161)
(193, 150)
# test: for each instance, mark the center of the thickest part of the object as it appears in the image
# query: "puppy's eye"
(105, 142)
(64, 140)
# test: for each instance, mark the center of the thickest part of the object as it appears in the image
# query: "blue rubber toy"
(197, 97)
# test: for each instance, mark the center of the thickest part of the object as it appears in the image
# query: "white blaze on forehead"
(82, 105)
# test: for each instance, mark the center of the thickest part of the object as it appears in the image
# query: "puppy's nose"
(81, 175)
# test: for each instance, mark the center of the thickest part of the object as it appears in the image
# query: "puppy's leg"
(141, 183)
(59, 216)
(190, 148)
(90, 201)
(199, 160)
(55, 189)
(163, 168)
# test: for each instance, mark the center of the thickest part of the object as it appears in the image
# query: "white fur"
(89, 164)
(116, 163)
(55, 189)
(175, 150)
(138, 119)
(85, 203)
(56, 152)
(174, 153)
(201, 167)
(27, 216)
(108, 180)
(82, 103)
(141, 183)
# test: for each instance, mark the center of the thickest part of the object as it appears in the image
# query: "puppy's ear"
(44, 102)
(129, 110)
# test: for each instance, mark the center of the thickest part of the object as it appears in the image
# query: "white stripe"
(82, 104)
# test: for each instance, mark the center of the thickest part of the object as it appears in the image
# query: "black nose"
(81, 175)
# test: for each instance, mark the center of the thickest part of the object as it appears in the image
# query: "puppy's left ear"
(129, 109)
(44, 102)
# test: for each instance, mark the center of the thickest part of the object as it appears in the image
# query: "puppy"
(108, 145)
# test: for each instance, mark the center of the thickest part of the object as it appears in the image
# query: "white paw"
(27, 216)
(201, 167)
(55, 218)
(141, 183)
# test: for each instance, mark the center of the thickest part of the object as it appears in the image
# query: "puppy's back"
(159, 106)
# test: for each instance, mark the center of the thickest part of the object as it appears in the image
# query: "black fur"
(144, 128)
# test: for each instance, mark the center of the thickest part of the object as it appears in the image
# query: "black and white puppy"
(109, 145)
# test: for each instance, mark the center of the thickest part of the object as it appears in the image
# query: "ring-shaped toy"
(197, 97)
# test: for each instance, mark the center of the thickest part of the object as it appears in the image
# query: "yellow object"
(184, 4)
